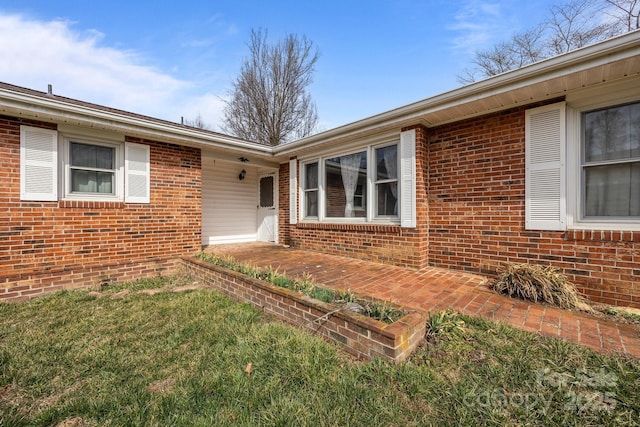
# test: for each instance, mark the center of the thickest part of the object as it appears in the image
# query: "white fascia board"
(62, 112)
(618, 48)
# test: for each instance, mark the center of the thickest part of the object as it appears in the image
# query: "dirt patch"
(185, 288)
(121, 294)
(11, 395)
(162, 386)
(75, 422)
(55, 398)
(151, 291)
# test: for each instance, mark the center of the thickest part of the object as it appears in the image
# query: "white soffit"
(608, 61)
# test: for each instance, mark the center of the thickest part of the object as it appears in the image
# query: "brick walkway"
(435, 289)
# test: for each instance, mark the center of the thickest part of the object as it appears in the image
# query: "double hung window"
(310, 194)
(610, 167)
(92, 169)
(100, 167)
(600, 187)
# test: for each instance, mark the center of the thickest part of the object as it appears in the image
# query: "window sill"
(592, 235)
(92, 204)
(368, 227)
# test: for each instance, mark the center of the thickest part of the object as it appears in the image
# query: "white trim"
(608, 96)
(293, 191)
(274, 208)
(38, 164)
(600, 54)
(65, 144)
(407, 179)
(545, 174)
(239, 238)
(135, 156)
(360, 147)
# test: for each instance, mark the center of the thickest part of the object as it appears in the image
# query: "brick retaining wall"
(361, 336)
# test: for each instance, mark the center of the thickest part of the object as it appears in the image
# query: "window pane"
(83, 181)
(311, 176)
(92, 156)
(343, 176)
(387, 202)
(387, 163)
(266, 192)
(612, 134)
(311, 203)
(612, 190)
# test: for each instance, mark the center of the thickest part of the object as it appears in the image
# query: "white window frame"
(304, 190)
(45, 167)
(369, 195)
(376, 182)
(118, 185)
(322, 214)
(575, 184)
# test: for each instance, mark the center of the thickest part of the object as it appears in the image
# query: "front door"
(267, 209)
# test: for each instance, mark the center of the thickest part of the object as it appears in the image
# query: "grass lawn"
(197, 358)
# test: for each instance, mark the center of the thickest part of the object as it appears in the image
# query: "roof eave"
(55, 110)
(621, 47)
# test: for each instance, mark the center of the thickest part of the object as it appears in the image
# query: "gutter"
(41, 105)
(67, 112)
(621, 47)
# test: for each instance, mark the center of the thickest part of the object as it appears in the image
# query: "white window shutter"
(545, 152)
(293, 191)
(407, 150)
(137, 171)
(38, 164)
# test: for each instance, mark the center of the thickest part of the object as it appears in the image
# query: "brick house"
(541, 164)
(95, 195)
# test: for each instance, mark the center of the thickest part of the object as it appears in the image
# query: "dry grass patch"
(539, 284)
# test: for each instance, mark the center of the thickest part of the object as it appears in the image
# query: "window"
(92, 169)
(55, 165)
(386, 181)
(362, 186)
(311, 189)
(359, 199)
(610, 167)
(599, 188)
(343, 176)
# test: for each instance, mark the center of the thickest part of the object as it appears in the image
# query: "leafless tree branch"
(269, 101)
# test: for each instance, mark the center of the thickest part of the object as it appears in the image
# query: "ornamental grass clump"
(537, 283)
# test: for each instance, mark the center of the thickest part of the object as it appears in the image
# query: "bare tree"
(198, 122)
(569, 26)
(627, 13)
(575, 24)
(522, 49)
(269, 101)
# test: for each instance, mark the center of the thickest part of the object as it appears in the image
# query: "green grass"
(74, 358)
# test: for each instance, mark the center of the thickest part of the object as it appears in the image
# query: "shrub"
(536, 283)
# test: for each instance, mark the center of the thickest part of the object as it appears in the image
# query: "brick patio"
(435, 289)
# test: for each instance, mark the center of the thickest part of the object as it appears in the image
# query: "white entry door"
(267, 209)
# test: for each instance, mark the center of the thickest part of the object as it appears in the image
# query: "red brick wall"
(470, 191)
(476, 202)
(388, 244)
(46, 246)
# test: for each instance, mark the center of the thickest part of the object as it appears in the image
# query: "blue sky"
(171, 59)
